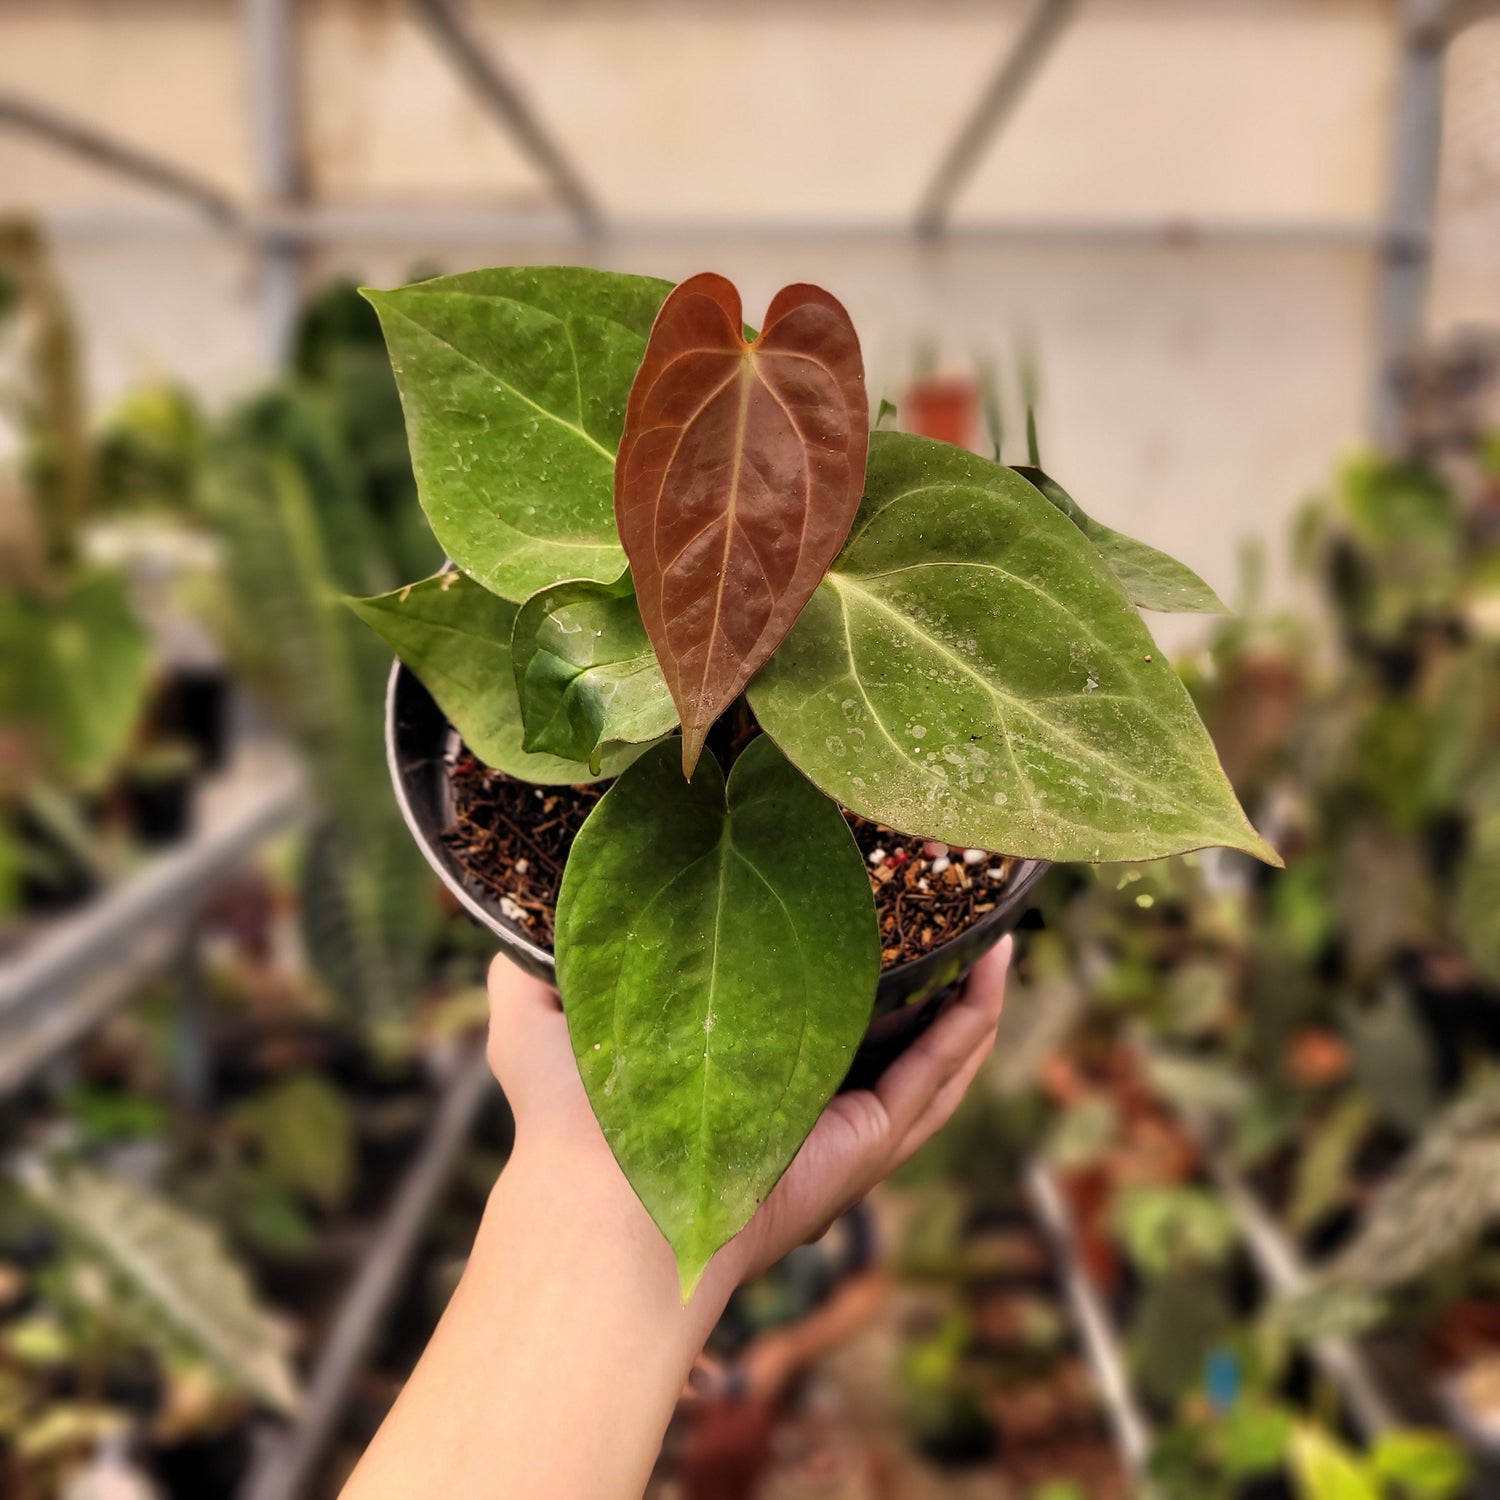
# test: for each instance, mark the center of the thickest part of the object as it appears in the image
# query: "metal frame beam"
(1018, 68)
(271, 50)
(479, 67)
(102, 150)
(1415, 158)
(1452, 16)
(1101, 1342)
(288, 1463)
(422, 224)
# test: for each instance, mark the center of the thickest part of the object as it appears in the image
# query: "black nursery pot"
(161, 807)
(420, 747)
(194, 707)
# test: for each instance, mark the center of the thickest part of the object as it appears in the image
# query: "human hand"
(556, 1366)
(859, 1140)
(863, 1136)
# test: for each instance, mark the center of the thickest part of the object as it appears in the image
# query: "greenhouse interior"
(359, 564)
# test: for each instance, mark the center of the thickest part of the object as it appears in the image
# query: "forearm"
(555, 1369)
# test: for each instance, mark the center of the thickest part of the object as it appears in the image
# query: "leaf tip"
(1263, 850)
(692, 747)
(689, 1276)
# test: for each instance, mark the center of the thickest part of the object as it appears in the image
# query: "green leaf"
(514, 383)
(455, 636)
(1426, 1465)
(177, 1263)
(586, 673)
(1168, 1231)
(1254, 1439)
(1180, 1322)
(1436, 1203)
(717, 954)
(305, 1132)
(1324, 1170)
(972, 672)
(1325, 1470)
(73, 671)
(1150, 578)
(1394, 1057)
(1479, 891)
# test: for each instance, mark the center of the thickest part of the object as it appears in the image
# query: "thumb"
(525, 1016)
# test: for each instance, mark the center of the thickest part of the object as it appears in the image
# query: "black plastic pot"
(161, 807)
(193, 706)
(421, 747)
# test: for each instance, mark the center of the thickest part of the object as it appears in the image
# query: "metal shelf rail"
(288, 1460)
(85, 966)
(1101, 1343)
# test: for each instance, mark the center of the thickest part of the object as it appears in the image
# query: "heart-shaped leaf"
(970, 670)
(514, 382)
(717, 954)
(456, 637)
(740, 471)
(586, 672)
(1151, 579)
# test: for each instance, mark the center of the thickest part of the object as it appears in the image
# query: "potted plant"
(158, 784)
(800, 653)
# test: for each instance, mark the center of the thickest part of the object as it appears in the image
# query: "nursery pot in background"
(421, 747)
(945, 407)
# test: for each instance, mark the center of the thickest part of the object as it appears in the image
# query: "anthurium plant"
(659, 522)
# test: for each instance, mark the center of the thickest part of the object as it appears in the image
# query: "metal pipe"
(79, 946)
(1102, 1345)
(270, 47)
(423, 224)
(102, 150)
(1415, 162)
(485, 75)
(1019, 66)
(1452, 16)
(288, 1464)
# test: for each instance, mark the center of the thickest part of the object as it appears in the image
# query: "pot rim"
(1027, 873)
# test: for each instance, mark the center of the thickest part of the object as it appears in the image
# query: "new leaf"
(717, 954)
(456, 637)
(586, 672)
(739, 473)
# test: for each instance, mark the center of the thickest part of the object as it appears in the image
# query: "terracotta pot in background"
(945, 407)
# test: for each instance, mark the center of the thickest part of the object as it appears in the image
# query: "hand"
(860, 1139)
(556, 1365)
